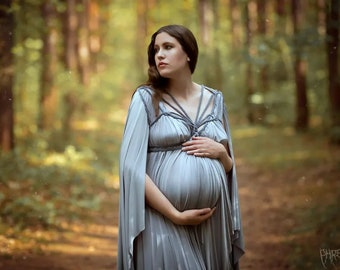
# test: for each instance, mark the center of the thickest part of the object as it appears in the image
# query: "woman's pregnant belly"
(188, 182)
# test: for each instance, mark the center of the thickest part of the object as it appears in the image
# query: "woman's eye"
(156, 50)
(168, 47)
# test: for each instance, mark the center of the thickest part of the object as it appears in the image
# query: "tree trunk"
(332, 30)
(70, 25)
(48, 91)
(280, 9)
(235, 19)
(70, 37)
(22, 81)
(208, 25)
(6, 77)
(141, 34)
(300, 66)
(83, 44)
(205, 16)
(262, 30)
(218, 76)
(249, 29)
(95, 40)
(261, 17)
(321, 16)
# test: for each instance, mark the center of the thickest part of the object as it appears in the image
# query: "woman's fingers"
(193, 146)
(196, 216)
(202, 147)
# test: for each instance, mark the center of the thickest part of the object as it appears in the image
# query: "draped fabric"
(152, 145)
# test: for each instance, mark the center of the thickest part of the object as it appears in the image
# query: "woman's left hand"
(204, 147)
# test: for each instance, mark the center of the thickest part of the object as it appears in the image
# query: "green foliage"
(42, 188)
(29, 211)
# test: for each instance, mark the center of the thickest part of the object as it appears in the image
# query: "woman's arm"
(206, 147)
(157, 200)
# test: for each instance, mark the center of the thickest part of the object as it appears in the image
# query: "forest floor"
(276, 204)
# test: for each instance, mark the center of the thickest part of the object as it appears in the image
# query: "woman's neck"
(183, 89)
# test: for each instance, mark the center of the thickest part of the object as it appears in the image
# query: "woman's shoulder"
(143, 93)
(213, 91)
(144, 90)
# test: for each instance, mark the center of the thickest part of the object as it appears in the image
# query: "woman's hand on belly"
(193, 216)
(206, 147)
(156, 199)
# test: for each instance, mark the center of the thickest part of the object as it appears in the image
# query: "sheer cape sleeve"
(237, 237)
(132, 171)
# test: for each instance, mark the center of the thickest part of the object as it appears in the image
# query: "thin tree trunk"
(332, 30)
(48, 91)
(280, 9)
(218, 76)
(6, 77)
(262, 30)
(208, 22)
(141, 33)
(249, 73)
(235, 18)
(70, 36)
(300, 69)
(205, 21)
(321, 16)
(21, 61)
(83, 44)
(71, 64)
(95, 40)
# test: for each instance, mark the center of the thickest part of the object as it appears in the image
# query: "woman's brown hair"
(189, 45)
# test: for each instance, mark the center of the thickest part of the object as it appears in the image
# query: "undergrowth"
(42, 188)
(38, 194)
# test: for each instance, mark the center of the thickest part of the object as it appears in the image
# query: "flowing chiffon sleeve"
(132, 170)
(237, 237)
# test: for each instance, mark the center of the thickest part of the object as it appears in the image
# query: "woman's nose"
(160, 53)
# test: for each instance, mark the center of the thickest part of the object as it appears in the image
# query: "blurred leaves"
(47, 189)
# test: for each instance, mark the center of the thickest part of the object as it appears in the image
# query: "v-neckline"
(180, 110)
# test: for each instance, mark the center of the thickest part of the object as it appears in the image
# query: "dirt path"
(265, 220)
(92, 246)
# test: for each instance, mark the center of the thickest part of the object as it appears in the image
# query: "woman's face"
(170, 58)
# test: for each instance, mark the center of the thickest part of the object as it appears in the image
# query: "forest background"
(68, 70)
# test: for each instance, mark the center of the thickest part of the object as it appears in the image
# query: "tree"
(142, 7)
(6, 77)
(332, 45)
(249, 29)
(48, 91)
(94, 36)
(235, 24)
(208, 26)
(262, 30)
(300, 69)
(83, 43)
(70, 32)
(70, 36)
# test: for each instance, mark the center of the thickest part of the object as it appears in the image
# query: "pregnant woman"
(179, 204)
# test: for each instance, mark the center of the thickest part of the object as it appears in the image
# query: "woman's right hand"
(193, 216)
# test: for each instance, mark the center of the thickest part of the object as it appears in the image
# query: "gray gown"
(152, 145)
